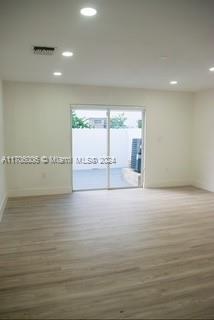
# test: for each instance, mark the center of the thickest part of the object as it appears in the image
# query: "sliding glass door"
(107, 147)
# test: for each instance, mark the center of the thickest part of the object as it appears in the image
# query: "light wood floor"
(125, 254)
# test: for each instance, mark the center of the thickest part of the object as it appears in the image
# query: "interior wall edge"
(3, 205)
(203, 186)
(3, 183)
(202, 136)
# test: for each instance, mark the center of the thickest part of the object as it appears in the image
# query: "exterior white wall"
(3, 193)
(203, 146)
(120, 146)
(38, 123)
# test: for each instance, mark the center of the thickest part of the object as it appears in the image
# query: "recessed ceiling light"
(88, 12)
(57, 73)
(173, 82)
(212, 69)
(67, 54)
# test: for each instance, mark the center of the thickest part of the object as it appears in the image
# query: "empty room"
(106, 159)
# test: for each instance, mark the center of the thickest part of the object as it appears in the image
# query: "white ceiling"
(121, 46)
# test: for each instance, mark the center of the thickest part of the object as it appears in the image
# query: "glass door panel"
(89, 136)
(126, 148)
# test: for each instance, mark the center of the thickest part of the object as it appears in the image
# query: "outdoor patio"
(97, 178)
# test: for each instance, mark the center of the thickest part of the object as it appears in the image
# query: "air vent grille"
(44, 51)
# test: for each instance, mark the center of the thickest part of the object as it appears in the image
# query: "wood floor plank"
(123, 254)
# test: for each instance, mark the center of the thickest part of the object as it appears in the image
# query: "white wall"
(3, 193)
(37, 122)
(203, 133)
(120, 146)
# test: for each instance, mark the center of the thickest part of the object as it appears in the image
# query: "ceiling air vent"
(44, 51)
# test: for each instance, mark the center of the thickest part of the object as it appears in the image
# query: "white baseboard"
(38, 192)
(168, 184)
(3, 206)
(202, 185)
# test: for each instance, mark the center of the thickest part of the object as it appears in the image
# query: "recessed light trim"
(211, 69)
(57, 73)
(67, 54)
(88, 12)
(173, 82)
